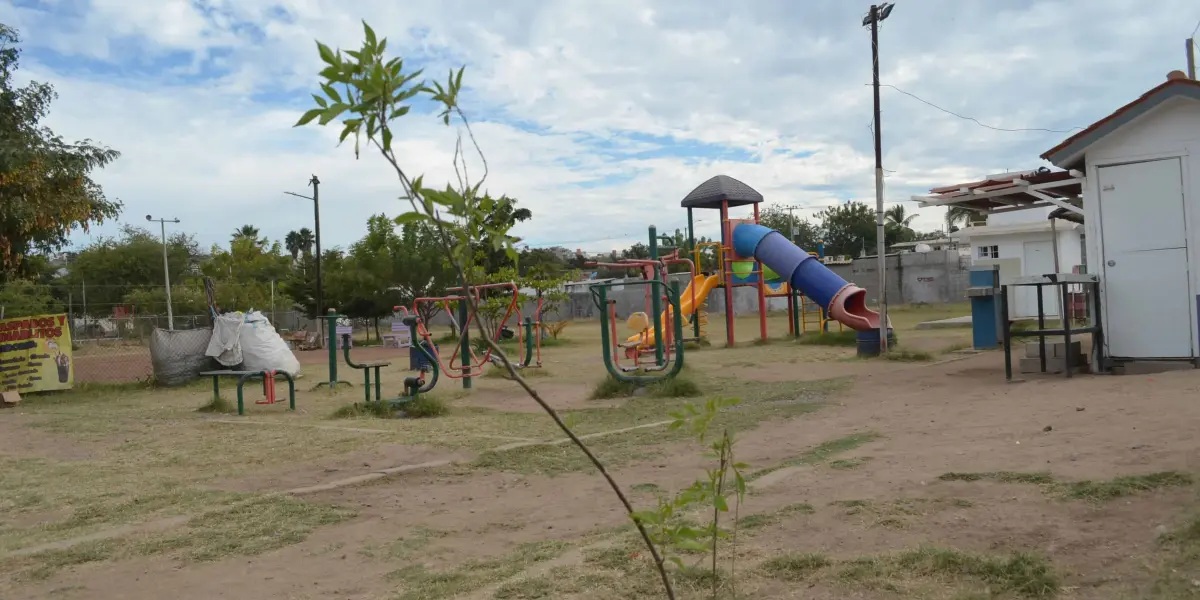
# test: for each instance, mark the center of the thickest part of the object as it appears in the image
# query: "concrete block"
(1054, 350)
(1053, 365)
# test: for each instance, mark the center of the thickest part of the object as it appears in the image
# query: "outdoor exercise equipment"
(464, 362)
(413, 385)
(268, 381)
(668, 357)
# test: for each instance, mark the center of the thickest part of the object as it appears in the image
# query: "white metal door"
(1145, 264)
(1037, 258)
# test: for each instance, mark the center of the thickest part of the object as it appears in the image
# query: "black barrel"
(868, 341)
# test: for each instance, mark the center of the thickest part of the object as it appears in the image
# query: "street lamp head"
(878, 13)
(148, 218)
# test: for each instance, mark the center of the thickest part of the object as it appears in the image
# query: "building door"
(1144, 260)
(1037, 259)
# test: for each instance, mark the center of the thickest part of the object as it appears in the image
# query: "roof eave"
(1070, 154)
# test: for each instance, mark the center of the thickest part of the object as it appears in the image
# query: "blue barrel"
(417, 361)
(868, 342)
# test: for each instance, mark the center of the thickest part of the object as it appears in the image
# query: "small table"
(242, 377)
(1061, 281)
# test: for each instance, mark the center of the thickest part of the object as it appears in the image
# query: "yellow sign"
(35, 354)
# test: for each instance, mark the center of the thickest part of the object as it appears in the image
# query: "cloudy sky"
(598, 116)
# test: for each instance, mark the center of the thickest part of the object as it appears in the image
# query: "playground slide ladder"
(812, 318)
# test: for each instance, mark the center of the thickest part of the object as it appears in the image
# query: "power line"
(1194, 30)
(973, 119)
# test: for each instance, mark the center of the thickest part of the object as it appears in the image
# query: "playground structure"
(751, 255)
(663, 338)
(464, 363)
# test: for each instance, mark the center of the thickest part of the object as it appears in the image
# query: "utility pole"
(1190, 47)
(166, 267)
(795, 231)
(878, 13)
(316, 200)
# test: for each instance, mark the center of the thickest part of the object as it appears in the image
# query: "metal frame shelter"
(1024, 190)
(1008, 192)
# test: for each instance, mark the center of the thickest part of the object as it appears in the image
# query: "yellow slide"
(703, 284)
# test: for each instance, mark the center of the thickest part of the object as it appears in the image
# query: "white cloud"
(597, 116)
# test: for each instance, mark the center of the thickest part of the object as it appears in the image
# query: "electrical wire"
(1195, 29)
(973, 119)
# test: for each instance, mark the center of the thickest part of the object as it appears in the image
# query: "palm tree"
(292, 242)
(245, 232)
(305, 240)
(896, 215)
(961, 214)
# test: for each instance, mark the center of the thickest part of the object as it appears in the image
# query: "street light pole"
(316, 200)
(878, 13)
(166, 267)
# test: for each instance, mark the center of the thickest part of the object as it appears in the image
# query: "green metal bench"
(243, 376)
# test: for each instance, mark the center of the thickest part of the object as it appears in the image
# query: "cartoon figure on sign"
(60, 360)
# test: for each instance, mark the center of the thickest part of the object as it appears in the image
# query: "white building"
(1143, 219)
(1129, 177)
(1021, 240)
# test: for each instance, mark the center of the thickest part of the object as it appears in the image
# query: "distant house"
(1019, 236)
(944, 243)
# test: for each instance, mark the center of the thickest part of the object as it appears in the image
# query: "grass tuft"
(845, 464)
(425, 406)
(1091, 491)
(680, 386)
(752, 522)
(1038, 478)
(833, 338)
(218, 405)
(795, 567)
(1019, 574)
(611, 387)
(820, 453)
(364, 410)
(499, 372)
(1129, 485)
(903, 355)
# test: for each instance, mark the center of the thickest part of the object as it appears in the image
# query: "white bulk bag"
(263, 349)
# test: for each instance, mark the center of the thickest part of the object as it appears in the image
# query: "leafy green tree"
(364, 283)
(110, 269)
(638, 251)
(801, 232)
(24, 298)
(849, 228)
(547, 285)
(46, 189)
(366, 92)
(502, 216)
(420, 269)
(244, 273)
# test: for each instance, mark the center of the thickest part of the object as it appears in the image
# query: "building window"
(988, 252)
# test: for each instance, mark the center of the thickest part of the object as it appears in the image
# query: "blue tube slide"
(845, 301)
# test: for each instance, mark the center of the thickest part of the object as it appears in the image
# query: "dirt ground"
(867, 479)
